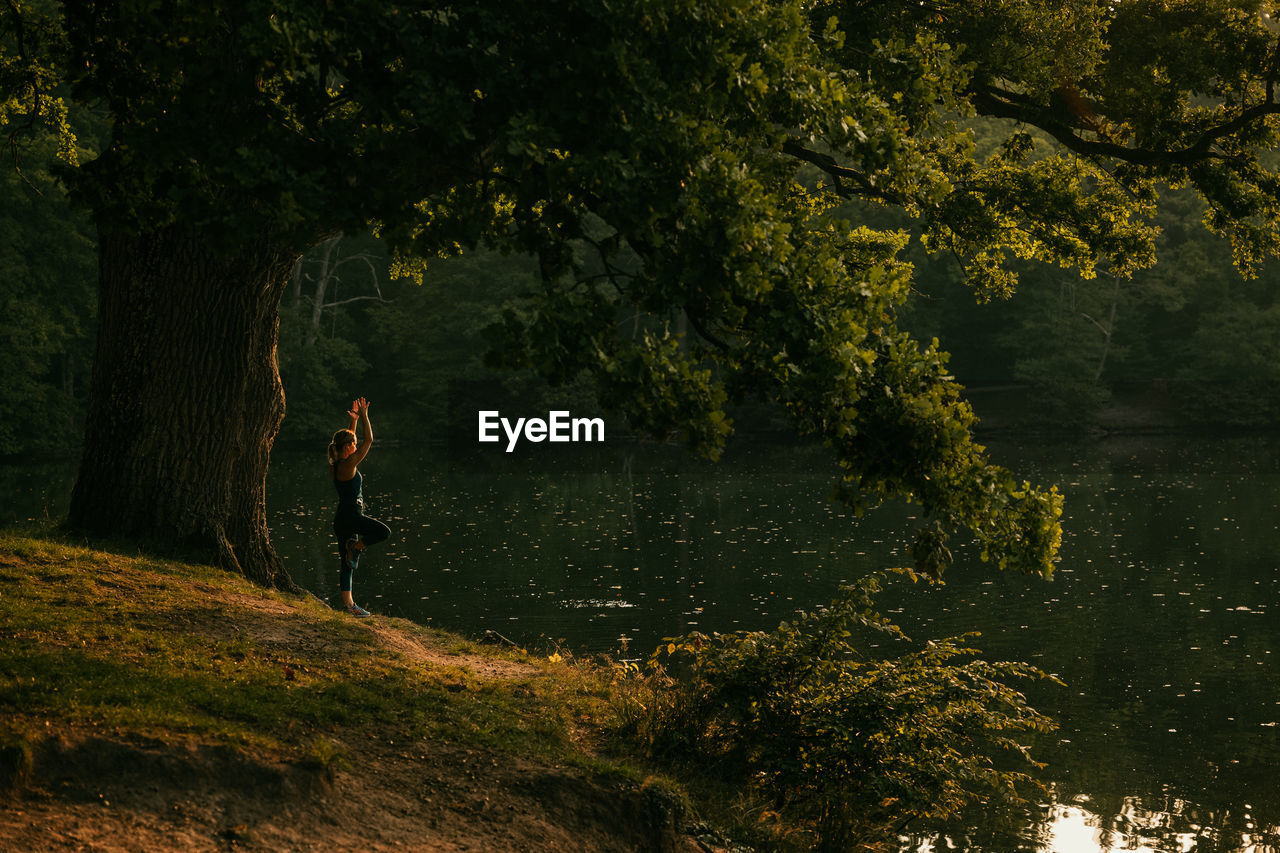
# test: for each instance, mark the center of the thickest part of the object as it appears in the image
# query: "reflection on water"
(1162, 622)
(1162, 617)
(1171, 826)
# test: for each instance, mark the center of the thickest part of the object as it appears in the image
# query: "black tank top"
(350, 496)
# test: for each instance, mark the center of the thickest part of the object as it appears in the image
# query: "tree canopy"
(693, 162)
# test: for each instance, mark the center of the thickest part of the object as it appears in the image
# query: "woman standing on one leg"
(355, 530)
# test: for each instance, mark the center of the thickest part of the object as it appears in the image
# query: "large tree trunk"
(186, 398)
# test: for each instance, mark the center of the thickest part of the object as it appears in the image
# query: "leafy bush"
(852, 744)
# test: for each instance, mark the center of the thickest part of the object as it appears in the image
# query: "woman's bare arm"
(362, 450)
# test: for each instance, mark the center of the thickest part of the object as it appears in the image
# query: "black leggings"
(346, 525)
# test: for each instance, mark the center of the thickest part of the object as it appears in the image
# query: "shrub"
(850, 743)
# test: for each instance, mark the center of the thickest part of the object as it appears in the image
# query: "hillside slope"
(155, 705)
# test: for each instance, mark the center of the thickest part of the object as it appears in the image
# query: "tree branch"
(377, 298)
(1003, 104)
(701, 329)
(368, 261)
(838, 173)
(610, 271)
(1101, 328)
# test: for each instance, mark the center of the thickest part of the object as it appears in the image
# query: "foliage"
(434, 335)
(1191, 326)
(416, 347)
(832, 731)
(317, 379)
(453, 303)
(688, 162)
(320, 358)
(47, 311)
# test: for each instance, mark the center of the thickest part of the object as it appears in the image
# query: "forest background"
(1187, 344)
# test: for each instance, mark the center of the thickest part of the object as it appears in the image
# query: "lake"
(1161, 617)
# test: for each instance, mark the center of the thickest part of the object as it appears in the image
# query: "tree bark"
(185, 400)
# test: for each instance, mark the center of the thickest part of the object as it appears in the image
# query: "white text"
(558, 427)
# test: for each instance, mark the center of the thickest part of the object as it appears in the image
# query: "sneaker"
(357, 611)
(353, 553)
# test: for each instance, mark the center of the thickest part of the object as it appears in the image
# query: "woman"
(355, 530)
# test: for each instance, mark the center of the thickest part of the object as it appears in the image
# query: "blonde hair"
(341, 439)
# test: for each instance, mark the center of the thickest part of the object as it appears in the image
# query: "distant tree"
(434, 331)
(47, 311)
(674, 139)
(318, 366)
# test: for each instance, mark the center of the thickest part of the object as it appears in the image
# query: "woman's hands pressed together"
(359, 408)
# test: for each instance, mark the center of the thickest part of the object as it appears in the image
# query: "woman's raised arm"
(362, 408)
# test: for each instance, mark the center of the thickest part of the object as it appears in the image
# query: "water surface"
(1161, 617)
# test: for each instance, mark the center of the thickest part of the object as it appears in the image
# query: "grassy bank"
(151, 704)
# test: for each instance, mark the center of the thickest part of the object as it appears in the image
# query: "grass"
(98, 639)
(129, 646)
